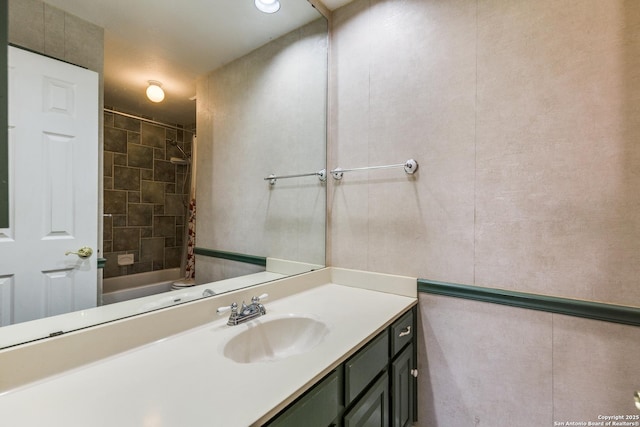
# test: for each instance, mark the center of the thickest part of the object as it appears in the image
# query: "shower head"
(177, 160)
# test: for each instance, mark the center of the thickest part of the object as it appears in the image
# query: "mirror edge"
(4, 119)
(321, 8)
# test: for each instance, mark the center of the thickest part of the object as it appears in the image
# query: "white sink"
(269, 339)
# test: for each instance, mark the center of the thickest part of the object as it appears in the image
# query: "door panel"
(58, 186)
(53, 151)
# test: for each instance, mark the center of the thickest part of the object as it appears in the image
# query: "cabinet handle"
(406, 331)
(414, 373)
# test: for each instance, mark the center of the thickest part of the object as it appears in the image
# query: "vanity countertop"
(185, 380)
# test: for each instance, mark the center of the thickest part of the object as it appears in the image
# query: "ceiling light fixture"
(268, 6)
(154, 91)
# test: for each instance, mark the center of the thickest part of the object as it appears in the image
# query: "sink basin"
(266, 340)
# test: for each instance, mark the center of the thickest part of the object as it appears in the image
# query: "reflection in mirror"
(263, 111)
(4, 152)
(263, 114)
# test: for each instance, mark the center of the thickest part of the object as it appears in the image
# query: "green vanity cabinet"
(319, 407)
(375, 387)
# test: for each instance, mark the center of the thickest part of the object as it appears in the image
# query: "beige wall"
(524, 118)
(263, 114)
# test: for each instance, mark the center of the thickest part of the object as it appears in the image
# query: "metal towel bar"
(410, 166)
(322, 176)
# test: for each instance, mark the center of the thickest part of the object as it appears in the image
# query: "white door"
(53, 179)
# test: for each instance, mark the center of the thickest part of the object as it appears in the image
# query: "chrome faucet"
(246, 312)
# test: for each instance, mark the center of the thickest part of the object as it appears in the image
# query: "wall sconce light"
(268, 6)
(636, 397)
(154, 91)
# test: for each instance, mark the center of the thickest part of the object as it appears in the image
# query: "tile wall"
(145, 195)
(45, 29)
(524, 118)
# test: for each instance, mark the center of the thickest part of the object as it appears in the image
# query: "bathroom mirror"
(4, 152)
(252, 121)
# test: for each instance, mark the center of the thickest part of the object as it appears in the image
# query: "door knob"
(83, 252)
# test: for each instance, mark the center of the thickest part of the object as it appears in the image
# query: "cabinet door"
(318, 408)
(402, 389)
(361, 369)
(372, 410)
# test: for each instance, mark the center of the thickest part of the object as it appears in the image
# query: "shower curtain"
(190, 265)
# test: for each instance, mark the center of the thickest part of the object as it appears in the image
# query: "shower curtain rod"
(132, 116)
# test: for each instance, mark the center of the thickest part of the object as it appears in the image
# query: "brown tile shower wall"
(145, 195)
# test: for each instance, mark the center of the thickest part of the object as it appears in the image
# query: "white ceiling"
(175, 42)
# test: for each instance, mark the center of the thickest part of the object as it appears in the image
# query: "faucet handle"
(259, 298)
(233, 307)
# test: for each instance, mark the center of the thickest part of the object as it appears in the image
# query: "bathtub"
(123, 288)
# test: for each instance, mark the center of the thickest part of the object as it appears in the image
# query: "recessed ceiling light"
(154, 91)
(268, 6)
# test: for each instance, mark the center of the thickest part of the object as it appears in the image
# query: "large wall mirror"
(183, 180)
(4, 152)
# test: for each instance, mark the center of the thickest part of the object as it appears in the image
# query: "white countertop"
(185, 380)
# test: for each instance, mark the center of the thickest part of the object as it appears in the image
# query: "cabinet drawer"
(402, 332)
(318, 408)
(363, 367)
